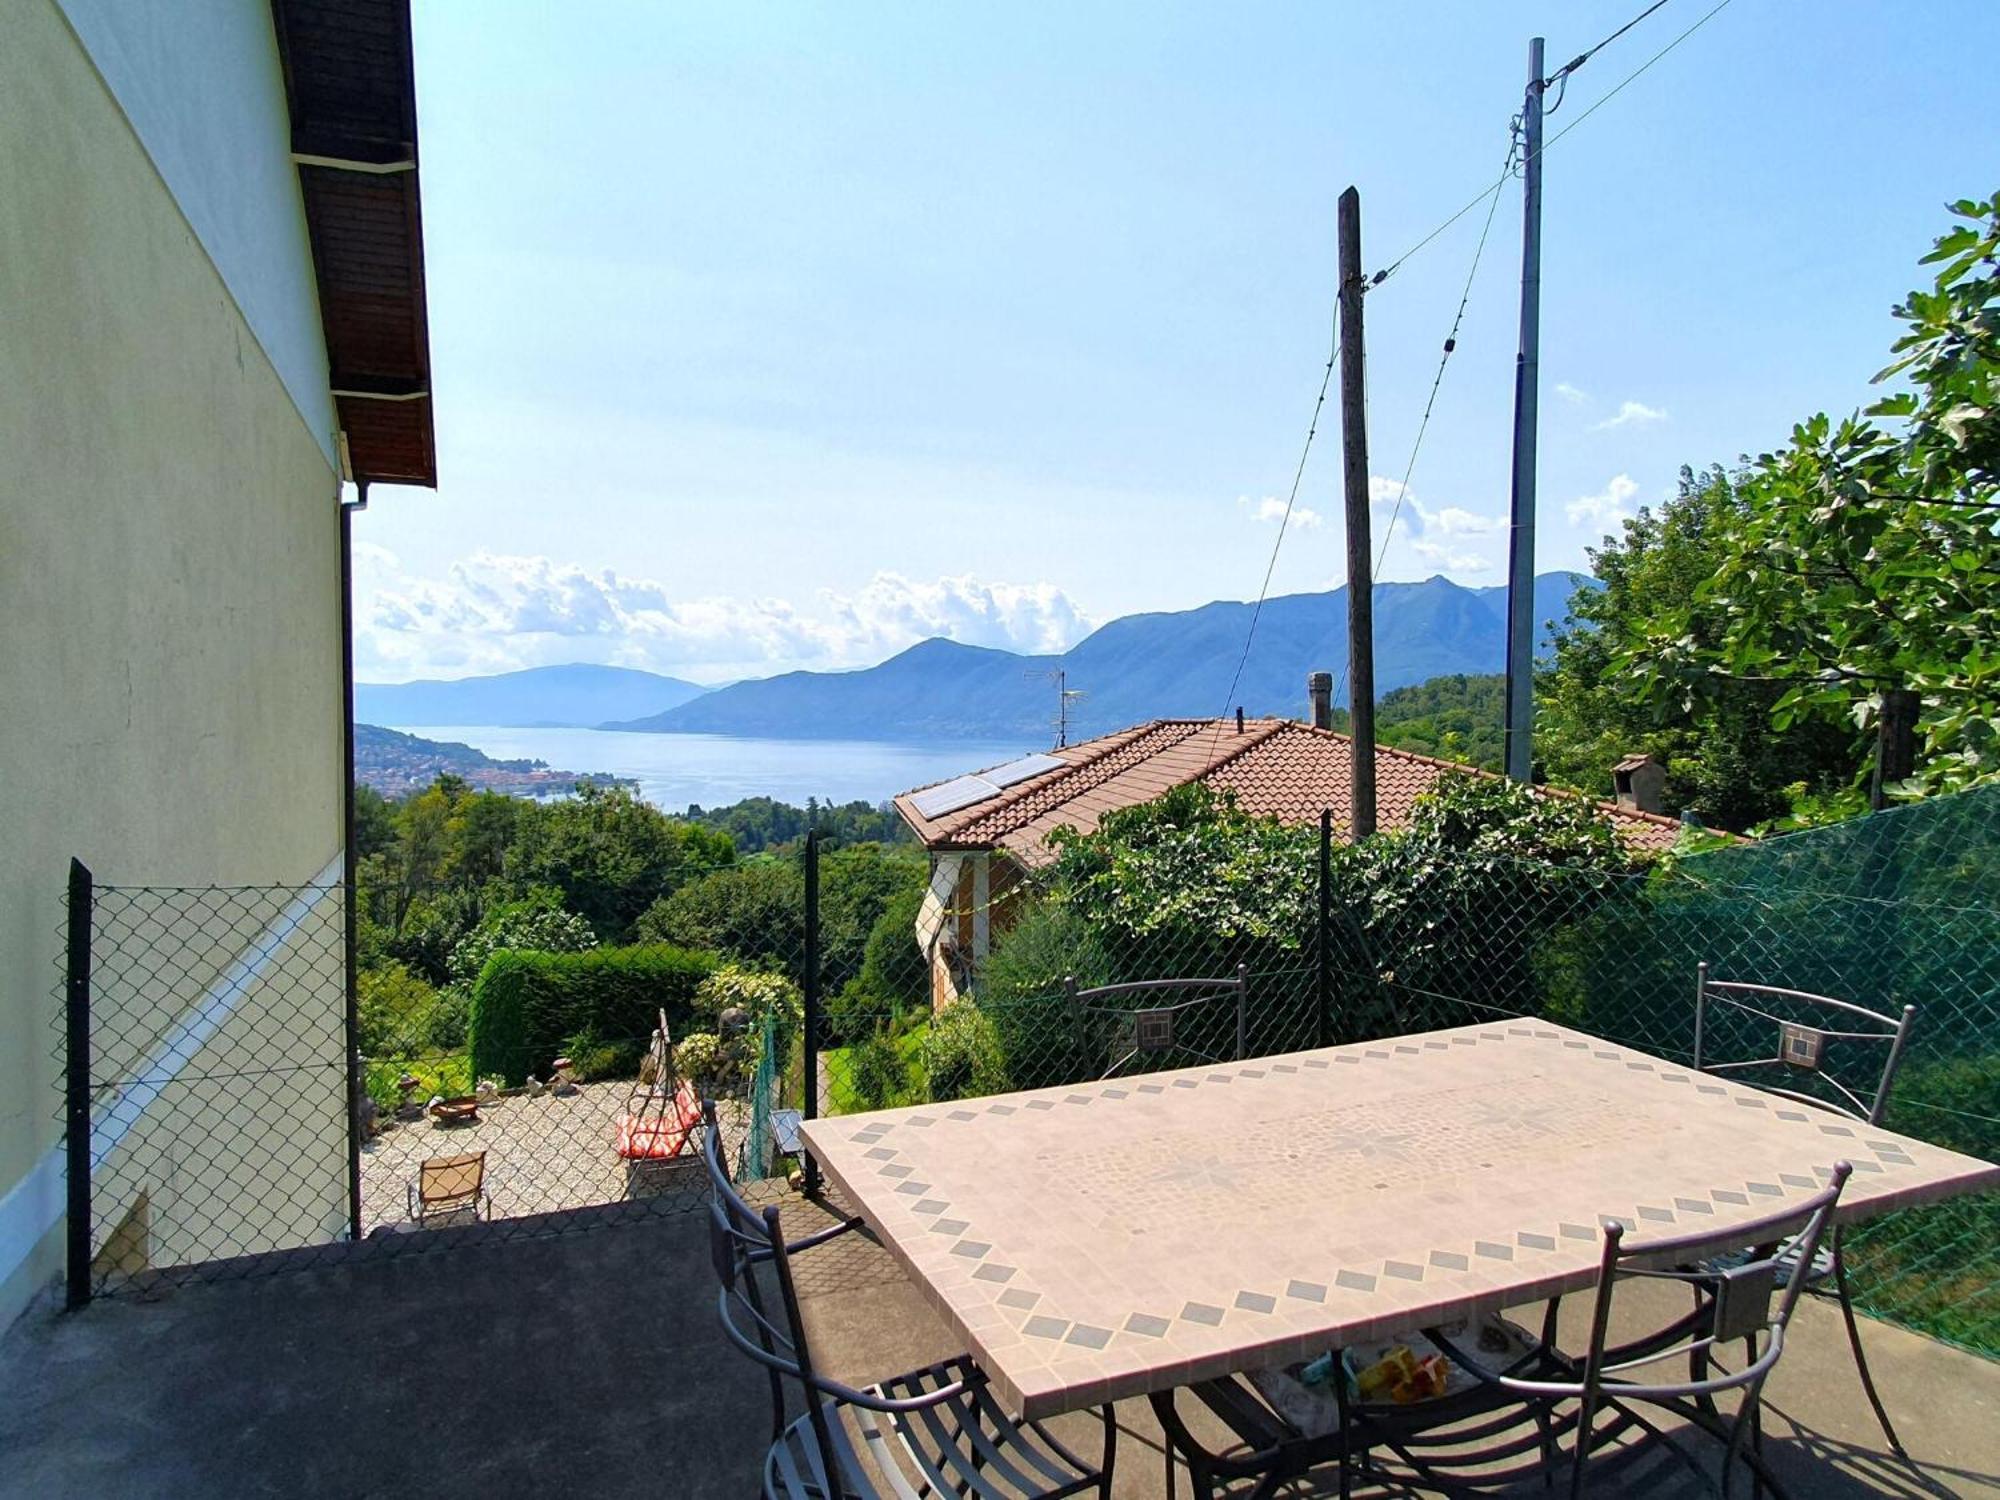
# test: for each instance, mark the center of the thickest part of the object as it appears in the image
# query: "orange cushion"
(651, 1137)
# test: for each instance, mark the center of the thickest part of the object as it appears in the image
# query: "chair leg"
(1546, 1432)
(1757, 1447)
(1586, 1419)
(1854, 1343)
(1730, 1453)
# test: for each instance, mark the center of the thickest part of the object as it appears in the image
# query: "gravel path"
(543, 1154)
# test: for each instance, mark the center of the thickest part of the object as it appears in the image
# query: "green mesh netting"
(1899, 908)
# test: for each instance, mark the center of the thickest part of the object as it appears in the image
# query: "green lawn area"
(438, 1073)
(851, 1088)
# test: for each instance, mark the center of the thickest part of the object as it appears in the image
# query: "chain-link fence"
(1898, 909)
(223, 1123)
(214, 1120)
(230, 1113)
(1901, 908)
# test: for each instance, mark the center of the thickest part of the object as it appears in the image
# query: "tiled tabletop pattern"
(1114, 1238)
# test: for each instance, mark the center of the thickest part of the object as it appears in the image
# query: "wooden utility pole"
(1360, 561)
(1520, 737)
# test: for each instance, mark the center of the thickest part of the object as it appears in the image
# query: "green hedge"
(527, 1007)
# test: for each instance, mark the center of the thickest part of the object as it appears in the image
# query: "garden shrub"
(395, 1010)
(761, 996)
(853, 1015)
(431, 928)
(893, 968)
(447, 1077)
(877, 1074)
(445, 1027)
(699, 1060)
(526, 1007)
(1021, 990)
(961, 1054)
(537, 922)
(592, 1059)
(755, 911)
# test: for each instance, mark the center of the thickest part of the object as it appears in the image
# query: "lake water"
(715, 770)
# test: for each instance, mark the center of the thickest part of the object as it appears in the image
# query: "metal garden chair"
(933, 1432)
(1149, 1020)
(1733, 1302)
(1805, 1050)
(1511, 1423)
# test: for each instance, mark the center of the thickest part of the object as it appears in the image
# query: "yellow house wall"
(169, 575)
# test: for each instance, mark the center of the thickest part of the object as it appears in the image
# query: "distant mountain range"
(573, 696)
(1167, 665)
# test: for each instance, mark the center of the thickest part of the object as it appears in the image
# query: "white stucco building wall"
(170, 695)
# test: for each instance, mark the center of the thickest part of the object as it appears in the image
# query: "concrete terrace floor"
(590, 1363)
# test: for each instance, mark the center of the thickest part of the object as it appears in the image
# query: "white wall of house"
(200, 84)
(169, 539)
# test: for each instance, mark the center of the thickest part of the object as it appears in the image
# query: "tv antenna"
(1065, 695)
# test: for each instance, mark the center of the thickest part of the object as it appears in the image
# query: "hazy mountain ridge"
(1137, 667)
(576, 696)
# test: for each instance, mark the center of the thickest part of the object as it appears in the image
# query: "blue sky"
(785, 336)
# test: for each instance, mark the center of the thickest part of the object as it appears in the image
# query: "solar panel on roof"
(950, 796)
(1022, 769)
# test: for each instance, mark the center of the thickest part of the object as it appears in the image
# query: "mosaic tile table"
(1116, 1238)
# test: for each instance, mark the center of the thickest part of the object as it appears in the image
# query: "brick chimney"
(1641, 783)
(1319, 692)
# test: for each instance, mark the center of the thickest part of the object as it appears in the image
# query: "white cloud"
(1425, 536)
(1632, 414)
(1448, 560)
(496, 612)
(1449, 520)
(1454, 521)
(1271, 508)
(1571, 394)
(1606, 509)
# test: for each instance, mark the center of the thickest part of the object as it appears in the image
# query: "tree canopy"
(1726, 763)
(1845, 579)
(758, 824)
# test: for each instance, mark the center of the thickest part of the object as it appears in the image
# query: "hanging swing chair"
(660, 1120)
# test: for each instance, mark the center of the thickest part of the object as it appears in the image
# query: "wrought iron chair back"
(743, 1243)
(1145, 1020)
(1749, 1301)
(1804, 1048)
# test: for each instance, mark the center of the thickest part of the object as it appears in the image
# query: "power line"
(1561, 75)
(1450, 345)
(1489, 196)
(1437, 380)
(1298, 475)
(1619, 87)
(1589, 52)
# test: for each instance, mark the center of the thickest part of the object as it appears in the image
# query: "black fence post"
(1323, 942)
(76, 1084)
(810, 1046)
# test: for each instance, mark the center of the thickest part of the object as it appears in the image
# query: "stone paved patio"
(589, 1363)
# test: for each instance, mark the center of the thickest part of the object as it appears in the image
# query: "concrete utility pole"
(1360, 562)
(1521, 534)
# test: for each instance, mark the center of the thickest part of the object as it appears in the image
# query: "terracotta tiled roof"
(1276, 767)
